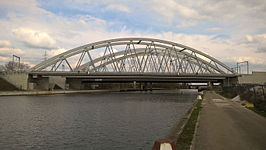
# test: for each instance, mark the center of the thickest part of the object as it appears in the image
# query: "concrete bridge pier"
(146, 86)
(122, 87)
(134, 85)
(143, 86)
(57, 82)
(230, 81)
(75, 84)
(38, 83)
(210, 85)
(150, 86)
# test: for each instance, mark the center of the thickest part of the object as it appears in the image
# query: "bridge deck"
(139, 77)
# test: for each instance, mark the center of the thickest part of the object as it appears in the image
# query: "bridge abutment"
(18, 79)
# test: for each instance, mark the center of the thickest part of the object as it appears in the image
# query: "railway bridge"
(133, 60)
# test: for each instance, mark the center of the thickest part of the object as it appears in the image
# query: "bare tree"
(2, 68)
(15, 66)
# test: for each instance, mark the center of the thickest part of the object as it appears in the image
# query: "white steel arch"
(136, 55)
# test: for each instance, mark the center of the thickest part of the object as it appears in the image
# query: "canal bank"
(225, 124)
(183, 131)
(28, 93)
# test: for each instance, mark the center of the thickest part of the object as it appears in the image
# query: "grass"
(262, 113)
(185, 139)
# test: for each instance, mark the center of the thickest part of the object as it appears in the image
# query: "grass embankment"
(262, 113)
(185, 139)
(257, 101)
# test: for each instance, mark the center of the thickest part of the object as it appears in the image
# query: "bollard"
(163, 144)
(199, 97)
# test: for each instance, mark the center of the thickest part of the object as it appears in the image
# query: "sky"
(230, 30)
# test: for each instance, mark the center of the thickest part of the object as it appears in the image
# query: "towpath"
(226, 125)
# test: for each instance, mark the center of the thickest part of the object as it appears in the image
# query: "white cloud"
(6, 51)
(5, 43)
(186, 23)
(252, 60)
(34, 38)
(214, 29)
(20, 7)
(249, 38)
(175, 10)
(258, 40)
(82, 1)
(19, 3)
(238, 17)
(44, 30)
(54, 52)
(87, 20)
(225, 50)
(117, 7)
(3, 59)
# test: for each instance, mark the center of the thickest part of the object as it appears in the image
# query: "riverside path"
(226, 125)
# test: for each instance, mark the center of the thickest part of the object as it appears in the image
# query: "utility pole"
(247, 67)
(13, 61)
(238, 66)
(45, 55)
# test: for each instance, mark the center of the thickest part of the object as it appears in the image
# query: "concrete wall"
(18, 79)
(6, 86)
(46, 83)
(57, 80)
(254, 78)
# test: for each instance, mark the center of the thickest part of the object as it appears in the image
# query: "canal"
(122, 120)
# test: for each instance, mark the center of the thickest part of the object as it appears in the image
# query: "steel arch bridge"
(134, 55)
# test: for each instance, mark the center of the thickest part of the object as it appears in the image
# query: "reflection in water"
(132, 120)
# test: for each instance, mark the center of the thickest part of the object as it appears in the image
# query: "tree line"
(14, 66)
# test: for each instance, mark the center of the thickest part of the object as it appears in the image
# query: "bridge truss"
(136, 55)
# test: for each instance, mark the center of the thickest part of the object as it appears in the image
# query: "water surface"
(132, 120)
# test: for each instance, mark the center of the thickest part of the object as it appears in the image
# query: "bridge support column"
(57, 82)
(75, 84)
(150, 86)
(145, 86)
(134, 85)
(230, 81)
(210, 85)
(122, 87)
(41, 83)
